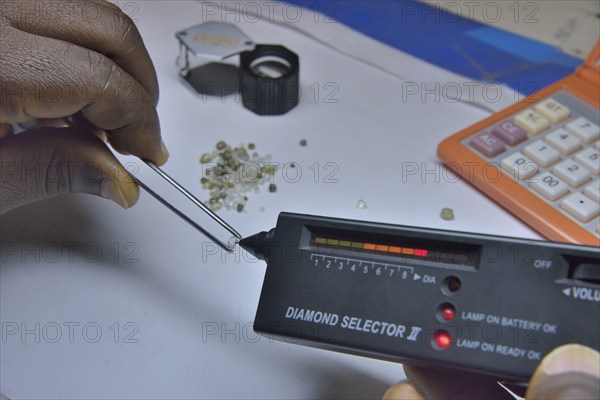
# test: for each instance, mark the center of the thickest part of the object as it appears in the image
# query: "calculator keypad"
(583, 128)
(488, 144)
(532, 122)
(573, 173)
(542, 154)
(552, 149)
(509, 133)
(519, 167)
(580, 206)
(552, 110)
(564, 141)
(550, 186)
(589, 158)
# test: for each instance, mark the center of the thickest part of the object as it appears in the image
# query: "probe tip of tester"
(258, 245)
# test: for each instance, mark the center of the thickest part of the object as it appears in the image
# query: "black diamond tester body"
(487, 304)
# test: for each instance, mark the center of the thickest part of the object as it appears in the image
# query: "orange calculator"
(540, 158)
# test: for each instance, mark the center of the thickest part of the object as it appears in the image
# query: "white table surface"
(146, 309)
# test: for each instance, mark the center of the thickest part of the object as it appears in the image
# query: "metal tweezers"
(236, 237)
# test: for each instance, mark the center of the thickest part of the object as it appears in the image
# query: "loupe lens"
(270, 67)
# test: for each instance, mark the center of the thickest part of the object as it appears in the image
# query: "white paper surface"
(99, 302)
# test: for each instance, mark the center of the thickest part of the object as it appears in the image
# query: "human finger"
(444, 383)
(93, 24)
(80, 121)
(5, 130)
(568, 372)
(52, 79)
(47, 162)
(402, 391)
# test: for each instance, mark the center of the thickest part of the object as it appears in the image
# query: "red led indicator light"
(421, 252)
(442, 339)
(384, 248)
(448, 313)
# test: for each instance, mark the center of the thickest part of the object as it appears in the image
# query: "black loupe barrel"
(269, 79)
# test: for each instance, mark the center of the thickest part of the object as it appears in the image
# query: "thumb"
(402, 391)
(46, 162)
(568, 372)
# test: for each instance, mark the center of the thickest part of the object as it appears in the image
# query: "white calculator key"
(584, 129)
(531, 121)
(593, 190)
(590, 159)
(542, 153)
(581, 207)
(573, 173)
(564, 141)
(553, 110)
(519, 166)
(549, 186)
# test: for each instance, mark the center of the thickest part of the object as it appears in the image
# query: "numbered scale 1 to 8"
(369, 268)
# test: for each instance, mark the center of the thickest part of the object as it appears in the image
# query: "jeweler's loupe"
(267, 76)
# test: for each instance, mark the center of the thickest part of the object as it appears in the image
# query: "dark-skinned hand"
(568, 372)
(83, 60)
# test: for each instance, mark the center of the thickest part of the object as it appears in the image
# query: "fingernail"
(111, 190)
(402, 391)
(568, 372)
(165, 152)
(572, 358)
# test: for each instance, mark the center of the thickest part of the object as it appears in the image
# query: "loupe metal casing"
(267, 76)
